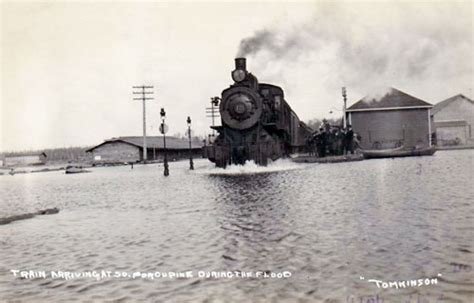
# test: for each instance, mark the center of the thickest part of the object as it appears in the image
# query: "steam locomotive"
(257, 123)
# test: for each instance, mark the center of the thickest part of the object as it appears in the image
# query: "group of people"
(333, 140)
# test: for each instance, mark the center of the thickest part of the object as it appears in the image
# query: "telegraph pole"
(214, 111)
(144, 91)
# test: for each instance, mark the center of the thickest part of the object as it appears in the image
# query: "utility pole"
(143, 90)
(214, 111)
(344, 95)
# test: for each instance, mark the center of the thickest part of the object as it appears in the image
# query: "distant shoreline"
(5, 171)
(61, 166)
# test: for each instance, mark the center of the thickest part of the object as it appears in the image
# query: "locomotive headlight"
(239, 75)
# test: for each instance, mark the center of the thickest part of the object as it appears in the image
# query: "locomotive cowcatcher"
(256, 123)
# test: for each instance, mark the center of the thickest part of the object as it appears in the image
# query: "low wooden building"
(392, 120)
(130, 149)
(24, 159)
(454, 118)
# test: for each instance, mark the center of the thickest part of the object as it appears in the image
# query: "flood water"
(333, 227)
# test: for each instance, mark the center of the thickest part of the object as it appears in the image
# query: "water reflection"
(327, 224)
(253, 216)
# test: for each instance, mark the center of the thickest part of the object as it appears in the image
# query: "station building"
(24, 159)
(130, 149)
(454, 118)
(392, 120)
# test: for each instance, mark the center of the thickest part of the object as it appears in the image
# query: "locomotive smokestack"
(240, 63)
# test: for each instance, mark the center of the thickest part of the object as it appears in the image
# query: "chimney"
(240, 63)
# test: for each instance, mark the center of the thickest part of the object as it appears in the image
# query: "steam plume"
(414, 47)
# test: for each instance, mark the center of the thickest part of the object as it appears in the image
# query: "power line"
(144, 91)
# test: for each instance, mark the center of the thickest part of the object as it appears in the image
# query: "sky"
(67, 68)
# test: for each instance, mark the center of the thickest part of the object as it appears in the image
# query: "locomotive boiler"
(256, 123)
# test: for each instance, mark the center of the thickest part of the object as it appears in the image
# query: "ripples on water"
(328, 224)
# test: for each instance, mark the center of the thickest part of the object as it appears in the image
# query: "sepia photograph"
(237, 151)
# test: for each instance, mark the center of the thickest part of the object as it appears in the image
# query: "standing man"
(322, 140)
(339, 139)
(349, 140)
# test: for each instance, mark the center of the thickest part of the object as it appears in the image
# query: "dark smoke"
(261, 39)
(359, 46)
(270, 41)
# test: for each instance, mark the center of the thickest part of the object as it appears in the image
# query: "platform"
(328, 159)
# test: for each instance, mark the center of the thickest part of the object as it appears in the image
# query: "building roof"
(451, 123)
(154, 142)
(390, 100)
(440, 105)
